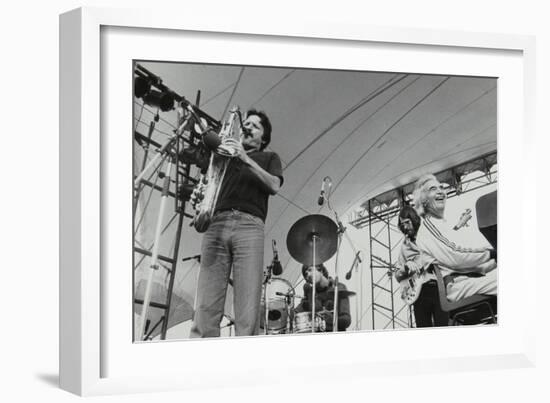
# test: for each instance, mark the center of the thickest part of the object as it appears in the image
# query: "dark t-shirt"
(243, 190)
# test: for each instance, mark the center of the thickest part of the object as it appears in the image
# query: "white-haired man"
(468, 270)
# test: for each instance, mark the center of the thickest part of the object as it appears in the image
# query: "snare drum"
(303, 323)
(277, 307)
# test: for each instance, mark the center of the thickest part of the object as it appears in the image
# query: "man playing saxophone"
(234, 240)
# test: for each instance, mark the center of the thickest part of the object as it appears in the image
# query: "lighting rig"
(189, 146)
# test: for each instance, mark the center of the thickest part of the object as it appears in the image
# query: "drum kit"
(312, 240)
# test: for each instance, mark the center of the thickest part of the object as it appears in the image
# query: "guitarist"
(414, 265)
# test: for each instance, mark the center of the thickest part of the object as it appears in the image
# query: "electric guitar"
(411, 286)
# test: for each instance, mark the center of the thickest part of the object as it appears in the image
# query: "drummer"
(324, 297)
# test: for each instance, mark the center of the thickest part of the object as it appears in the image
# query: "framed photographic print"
(244, 197)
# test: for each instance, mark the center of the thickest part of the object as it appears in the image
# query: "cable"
(354, 130)
(233, 92)
(381, 89)
(390, 128)
(476, 147)
(150, 196)
(293, 203)
(141, 112)
(154, 114)
(273, 86)
(408, 149)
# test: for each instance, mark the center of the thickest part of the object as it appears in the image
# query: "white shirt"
(437, 239)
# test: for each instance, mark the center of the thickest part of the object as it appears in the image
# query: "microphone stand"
(155, 252)
(314, 284)
(267, 281)
(289, 302)
(341, 230)
(356, 260)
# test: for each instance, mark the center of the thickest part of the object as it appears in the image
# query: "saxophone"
(205, 194)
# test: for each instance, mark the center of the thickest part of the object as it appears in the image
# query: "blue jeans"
(234, 241)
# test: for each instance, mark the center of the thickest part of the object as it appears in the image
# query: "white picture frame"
(85, 309)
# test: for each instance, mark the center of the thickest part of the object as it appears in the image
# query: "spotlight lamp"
(164, 100)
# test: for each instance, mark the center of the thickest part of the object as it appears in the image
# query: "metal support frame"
(381, 218)
(389, 203)
(182, 177)
(172, 260)
(387, 310)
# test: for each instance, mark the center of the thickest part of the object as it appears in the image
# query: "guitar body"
(412, 286)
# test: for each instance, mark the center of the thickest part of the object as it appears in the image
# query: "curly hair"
(266, 124)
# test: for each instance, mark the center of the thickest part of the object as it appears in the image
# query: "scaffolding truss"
(180, 179)
(380, 214)
(177, 187)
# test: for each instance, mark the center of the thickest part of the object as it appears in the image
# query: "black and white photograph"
(282, 201)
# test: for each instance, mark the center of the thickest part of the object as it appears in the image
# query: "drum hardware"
(303, 323)
(277, 306)
(230, 323)
(311, 241)
(314, 239)
(270, 315)
(289, 295)
(340, 232)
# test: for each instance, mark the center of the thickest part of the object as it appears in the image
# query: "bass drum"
(278, 309)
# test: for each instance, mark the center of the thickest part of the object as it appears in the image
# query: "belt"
(230, 210)
(234, 210)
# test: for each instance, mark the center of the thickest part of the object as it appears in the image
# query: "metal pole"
(335, 313)
(371, 265)
(391, 276)
(172, 278)
(144, 162)
(313, 289)
(155, 252)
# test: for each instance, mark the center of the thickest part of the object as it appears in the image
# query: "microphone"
(321, 199)
(276, 265)
(357, 259)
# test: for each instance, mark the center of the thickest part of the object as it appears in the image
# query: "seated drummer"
(324, 297)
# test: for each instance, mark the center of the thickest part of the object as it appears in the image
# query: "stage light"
(163, 100)
(195, 155)
(141, 87)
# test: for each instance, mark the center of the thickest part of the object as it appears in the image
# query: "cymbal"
(299, 240)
